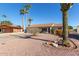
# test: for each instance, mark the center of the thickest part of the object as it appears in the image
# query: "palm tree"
(22, 12)
(64, 8)
(4, 17)
(27, 8)
(29, 21)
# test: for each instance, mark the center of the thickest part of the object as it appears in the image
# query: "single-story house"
(46, 28)
(10, 28)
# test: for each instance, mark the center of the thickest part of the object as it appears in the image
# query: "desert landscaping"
(19, 44)
(39, 30)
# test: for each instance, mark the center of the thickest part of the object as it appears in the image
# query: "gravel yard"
(18, 44)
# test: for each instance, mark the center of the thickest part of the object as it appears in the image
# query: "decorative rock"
(55, 45)
(60, 42)
(56, 42)
(49, 43)
(52, 44)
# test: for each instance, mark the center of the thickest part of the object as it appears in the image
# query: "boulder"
(55, 45)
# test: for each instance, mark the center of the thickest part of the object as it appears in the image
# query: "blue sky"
(40, 13)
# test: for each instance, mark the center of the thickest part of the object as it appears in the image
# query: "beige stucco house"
(45, 27)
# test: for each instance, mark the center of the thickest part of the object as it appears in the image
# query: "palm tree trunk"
(27, 20)
(23, 23)
(65, 25)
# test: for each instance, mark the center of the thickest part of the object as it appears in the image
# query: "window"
(0, 30)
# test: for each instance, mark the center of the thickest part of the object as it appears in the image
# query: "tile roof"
(46, 25)
(10, 26)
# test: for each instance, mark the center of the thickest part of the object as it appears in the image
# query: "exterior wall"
(6, 30)
(17, 30)
(42, 30)
(46, 30)
(34, 29)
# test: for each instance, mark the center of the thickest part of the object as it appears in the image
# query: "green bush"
(52, 30)
(59, 32)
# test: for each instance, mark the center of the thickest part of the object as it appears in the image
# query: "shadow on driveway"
(23, 37)
(72, 35)
(30, 36)
(75, 36)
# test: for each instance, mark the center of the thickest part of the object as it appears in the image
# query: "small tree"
(52, 30)
(70, 27)
(29, 21)
(6, 22)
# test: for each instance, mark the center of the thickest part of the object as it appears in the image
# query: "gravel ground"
(18, 44)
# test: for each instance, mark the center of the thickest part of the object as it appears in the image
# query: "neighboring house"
(10, 28)
(46, 28)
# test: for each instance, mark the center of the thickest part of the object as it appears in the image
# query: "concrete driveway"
(18, 44)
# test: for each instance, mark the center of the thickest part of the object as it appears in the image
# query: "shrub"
(70, 27)
(59, 32)
(52, 30)
(34, 31)
(75, 30)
